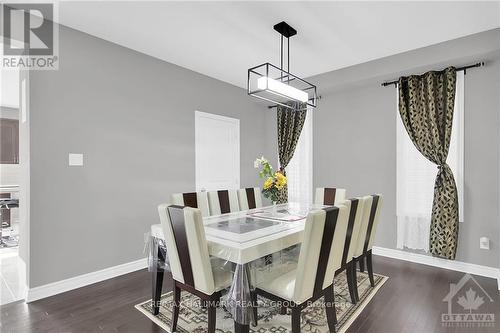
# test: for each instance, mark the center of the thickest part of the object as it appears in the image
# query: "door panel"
(217, 152)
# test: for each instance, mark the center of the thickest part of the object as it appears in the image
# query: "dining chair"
(192, 199)
(366, 235)
(329, 196)
(355, 207)
(223, 202)
(320, 256)
(249, 198)
(192, 269)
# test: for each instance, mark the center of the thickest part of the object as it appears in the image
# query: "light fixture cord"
(281, 57)
(288, 54)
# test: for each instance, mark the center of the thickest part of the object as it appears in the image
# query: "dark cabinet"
(4, 213)
(9, 141)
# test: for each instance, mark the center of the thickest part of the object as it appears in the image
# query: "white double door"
(217, 146)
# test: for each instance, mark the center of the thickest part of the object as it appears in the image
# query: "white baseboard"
(58, 287)
(453, 265)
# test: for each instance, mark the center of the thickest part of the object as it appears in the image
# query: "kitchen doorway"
(14, 180)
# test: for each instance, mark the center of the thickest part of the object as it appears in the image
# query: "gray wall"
(355, 136)
(355, 148)
(132, 116)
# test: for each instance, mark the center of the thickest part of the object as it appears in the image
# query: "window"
(416, 176)
(299, 170)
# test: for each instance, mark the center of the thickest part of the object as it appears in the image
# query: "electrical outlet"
(484, 243)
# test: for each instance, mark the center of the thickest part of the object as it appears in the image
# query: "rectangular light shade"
(282, 89)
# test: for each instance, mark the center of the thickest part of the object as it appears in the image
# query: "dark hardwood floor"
(410, 301)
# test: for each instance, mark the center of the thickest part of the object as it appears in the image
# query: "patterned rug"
(194, 317)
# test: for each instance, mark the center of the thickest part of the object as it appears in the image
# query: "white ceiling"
(224, 39)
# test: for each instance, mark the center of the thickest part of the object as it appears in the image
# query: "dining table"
(247, 242)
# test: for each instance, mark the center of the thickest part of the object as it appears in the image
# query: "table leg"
(157, 279)
(241, 328)
(239, 300)
(157, 287)
(253, 295)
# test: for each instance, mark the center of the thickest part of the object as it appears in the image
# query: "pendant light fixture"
(277, 85)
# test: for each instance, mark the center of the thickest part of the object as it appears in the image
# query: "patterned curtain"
(426, 108)
(290, 123)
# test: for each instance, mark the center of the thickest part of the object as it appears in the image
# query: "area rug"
(194, 317)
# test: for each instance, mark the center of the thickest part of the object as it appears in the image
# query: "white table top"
(6, 188)
(245, 236)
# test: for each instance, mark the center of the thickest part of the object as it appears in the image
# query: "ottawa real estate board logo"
(469, 305)
(30, 36)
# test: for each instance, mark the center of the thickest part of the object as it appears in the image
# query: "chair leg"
(157, 287)
(331, 314)
(295, 320)
(369, 267)
(361, 261)
(355, 281)
(211, 309)
(175, 310)
(350, 282)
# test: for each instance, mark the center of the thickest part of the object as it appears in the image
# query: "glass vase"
(274, 209)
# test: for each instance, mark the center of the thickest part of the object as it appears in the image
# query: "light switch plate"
(484, 243)
(75, 159)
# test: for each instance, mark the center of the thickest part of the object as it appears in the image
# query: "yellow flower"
(280, 180)
(268, 183)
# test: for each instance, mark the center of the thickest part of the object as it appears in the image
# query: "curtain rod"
(464, 68)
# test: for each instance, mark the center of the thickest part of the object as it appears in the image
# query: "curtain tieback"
(445, 171)
(442, 167)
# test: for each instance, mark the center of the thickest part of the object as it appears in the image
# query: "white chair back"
(374, 217)
(249, 198)
(223, 202)
(318, 259)
(329, 196)
(194, 200)
(369, 223)
(356, 210)
(187, 247)
(337, 248)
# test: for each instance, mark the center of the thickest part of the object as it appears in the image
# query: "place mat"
(280, 215)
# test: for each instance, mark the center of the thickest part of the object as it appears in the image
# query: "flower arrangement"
(274, 182)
